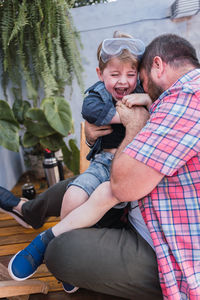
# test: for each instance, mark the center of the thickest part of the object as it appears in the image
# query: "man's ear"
(99, 74)
(158, 65)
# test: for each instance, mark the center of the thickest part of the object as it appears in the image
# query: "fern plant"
(39, 51)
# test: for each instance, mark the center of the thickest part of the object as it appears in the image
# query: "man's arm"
(130, 178)
(93, 132)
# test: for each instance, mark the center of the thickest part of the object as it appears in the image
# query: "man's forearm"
(133, 120)
(131, 132)
(129, 174)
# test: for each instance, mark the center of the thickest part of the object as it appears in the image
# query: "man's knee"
(64, 257)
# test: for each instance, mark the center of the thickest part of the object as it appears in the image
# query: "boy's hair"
(173, 49)
(124, 56)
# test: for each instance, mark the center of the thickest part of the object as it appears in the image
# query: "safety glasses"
(115, 46)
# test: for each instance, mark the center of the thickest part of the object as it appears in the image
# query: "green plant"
(39, 54)
(39, 128)
(78, 3)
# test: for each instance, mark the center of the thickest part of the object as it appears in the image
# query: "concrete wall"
(142, 18)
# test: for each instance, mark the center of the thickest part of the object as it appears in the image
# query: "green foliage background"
(39, 43)
(39, 53)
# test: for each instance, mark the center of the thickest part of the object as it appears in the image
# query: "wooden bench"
(14, 238)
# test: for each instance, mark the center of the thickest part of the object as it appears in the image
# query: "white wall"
(142, 18)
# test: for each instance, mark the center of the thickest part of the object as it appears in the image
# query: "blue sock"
(47, 236)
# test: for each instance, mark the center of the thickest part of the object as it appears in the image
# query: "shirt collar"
(183, 79)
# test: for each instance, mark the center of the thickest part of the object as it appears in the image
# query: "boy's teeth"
(121, 91)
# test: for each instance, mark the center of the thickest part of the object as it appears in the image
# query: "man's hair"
(124, 56)
(173, 49)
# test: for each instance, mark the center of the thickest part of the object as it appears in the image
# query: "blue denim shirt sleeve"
(98, 107)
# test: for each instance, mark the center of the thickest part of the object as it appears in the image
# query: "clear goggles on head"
(115, 46)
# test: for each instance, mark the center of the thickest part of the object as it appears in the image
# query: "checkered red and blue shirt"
(170, 143)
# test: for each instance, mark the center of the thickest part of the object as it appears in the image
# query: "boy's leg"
(74, 197)
(25, 263)
(112, 261)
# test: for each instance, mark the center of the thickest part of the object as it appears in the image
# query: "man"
(160, 166)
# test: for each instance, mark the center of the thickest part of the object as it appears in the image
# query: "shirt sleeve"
(171, 136)
(96, 110)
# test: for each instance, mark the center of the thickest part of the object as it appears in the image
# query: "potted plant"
(38, 128)
(39, 55)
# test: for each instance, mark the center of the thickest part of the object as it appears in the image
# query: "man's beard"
(154, 90)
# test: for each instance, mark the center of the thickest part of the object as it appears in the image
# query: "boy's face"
(119, 77)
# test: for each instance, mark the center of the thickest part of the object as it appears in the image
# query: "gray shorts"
(97, 172)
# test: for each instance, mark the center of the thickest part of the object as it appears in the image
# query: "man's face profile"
(149, 85)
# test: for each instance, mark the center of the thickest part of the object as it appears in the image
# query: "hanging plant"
(39, 54)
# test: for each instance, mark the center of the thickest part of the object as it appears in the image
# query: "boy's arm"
(97, 111)
(115, 119)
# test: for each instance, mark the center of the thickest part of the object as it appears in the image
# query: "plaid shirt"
(170, 143)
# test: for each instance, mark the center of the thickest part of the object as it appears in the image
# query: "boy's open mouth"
(121, 91)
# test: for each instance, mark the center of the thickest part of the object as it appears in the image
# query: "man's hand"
(93, 132)
(134, 118)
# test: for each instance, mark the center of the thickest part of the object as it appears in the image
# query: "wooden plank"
(4, 216)
(10, 288)
(12, 249)
(42, 274)
(53, 283)
(24, 297)
(4, 275)
(9, 221)
(21, 230)
(18, 238)
(84, 149)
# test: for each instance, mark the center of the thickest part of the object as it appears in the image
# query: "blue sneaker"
(7, 203)
(68, 288)
(25, 263)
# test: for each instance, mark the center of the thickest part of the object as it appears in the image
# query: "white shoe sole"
(72, 291)
(11, 273)
(17, 217)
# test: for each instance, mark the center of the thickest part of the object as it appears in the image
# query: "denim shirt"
(99, 109)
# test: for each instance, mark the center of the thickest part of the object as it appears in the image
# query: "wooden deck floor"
(14, 237)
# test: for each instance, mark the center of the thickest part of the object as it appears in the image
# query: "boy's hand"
(137, 99)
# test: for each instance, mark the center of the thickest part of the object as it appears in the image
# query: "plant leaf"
(20, 108)
(6, 113)
(58, 114)
(9, 137)
(36, 123)
(52, 142)
(71, 156)
(29, 140)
